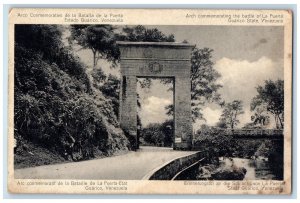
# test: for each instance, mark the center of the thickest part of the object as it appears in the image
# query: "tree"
(204, 86)
(271, 97)
(260, 117)
(231, 112)
(111, 89)
(43, 38)
(140, 33)
(100, 39)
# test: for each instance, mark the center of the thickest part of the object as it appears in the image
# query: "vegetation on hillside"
(54, 96)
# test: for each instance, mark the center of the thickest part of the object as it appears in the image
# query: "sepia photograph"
(182, 103)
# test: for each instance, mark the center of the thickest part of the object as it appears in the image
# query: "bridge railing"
(254, 132)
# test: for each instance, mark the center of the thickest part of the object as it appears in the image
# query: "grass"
(33, 155)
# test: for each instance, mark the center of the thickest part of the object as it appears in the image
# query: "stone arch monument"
(157, 59)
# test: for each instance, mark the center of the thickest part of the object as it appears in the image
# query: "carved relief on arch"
(155, 67)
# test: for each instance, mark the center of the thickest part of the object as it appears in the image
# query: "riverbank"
(240, 169)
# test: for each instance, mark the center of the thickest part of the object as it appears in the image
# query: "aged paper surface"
(217, 28)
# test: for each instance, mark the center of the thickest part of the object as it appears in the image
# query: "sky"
(245, 56)
(153, 102)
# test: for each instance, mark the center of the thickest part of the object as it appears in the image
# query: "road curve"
(129, 166)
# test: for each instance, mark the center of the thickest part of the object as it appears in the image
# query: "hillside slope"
(54, 98)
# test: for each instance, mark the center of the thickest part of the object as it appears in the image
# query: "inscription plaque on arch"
(157, 59)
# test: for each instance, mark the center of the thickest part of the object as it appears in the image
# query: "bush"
(157, 134)
(214, 140)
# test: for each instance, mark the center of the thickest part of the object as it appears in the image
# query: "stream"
(259, 169)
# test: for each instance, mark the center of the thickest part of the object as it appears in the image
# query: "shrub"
(159, 134)
(214, 140)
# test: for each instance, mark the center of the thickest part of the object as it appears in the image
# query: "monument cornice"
(157, 44)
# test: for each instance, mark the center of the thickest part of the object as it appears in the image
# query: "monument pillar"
(182, 114)
(128, 108)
